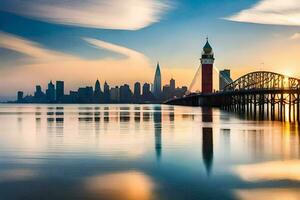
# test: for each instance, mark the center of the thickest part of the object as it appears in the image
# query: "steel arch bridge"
(259, 93)
(264, 80)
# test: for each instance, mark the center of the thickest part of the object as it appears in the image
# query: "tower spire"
(157, 82)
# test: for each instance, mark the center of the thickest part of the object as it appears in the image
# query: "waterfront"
(144, 152)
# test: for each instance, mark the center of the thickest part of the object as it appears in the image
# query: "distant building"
(28, 99)
(38, 91)
(60, 91)
(147, 95)
(137, 93)
(157, 83)
(72, 97)
(97, 92)
(146, 89)
(38, 94)
(172, 85)
(20, 95)
(167, 92)
(115, 94)
(97, 87)
(224, 78)
(50, 92)
(137, 89)
(125, 94)
(106, 93)
(85, 95)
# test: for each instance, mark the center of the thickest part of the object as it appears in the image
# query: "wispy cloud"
(29, 48)
(295, 36)
(275, 12)
(44, 64)
(112, 14)
(116, 48)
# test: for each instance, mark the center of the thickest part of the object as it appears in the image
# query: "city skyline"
(153, 92)
(140, 93)
(57, 45)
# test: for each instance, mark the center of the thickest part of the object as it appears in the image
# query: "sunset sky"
(121, 41)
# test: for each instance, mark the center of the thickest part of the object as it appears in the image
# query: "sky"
(121, 41)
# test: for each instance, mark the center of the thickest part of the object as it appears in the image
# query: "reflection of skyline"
(255, 140)
(146, 113)
(226, 141)
(157, 119)
(137, 114)
(142, 147)
(171, 114)
(124, 114)
(106, 114)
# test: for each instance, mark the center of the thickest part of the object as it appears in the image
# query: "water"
(143, 152)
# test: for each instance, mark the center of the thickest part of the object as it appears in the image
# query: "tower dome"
(207, 48)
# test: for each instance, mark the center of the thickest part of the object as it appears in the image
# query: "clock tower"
(207, 62)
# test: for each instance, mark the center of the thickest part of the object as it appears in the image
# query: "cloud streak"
(295, 36)
(275, 12)
(28, 48)
(112, 14)
(43, 64)
(116, 48)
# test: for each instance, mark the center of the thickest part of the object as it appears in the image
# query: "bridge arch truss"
(264, 80)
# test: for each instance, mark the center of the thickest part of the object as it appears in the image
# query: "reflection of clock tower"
(207, 62)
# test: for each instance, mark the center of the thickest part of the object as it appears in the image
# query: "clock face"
(207, 61)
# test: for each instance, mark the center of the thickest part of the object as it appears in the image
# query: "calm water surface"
(144, 152)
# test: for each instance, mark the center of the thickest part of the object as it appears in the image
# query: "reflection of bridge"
(260, 94)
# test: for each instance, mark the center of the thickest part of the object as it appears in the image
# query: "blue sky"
(134, 35)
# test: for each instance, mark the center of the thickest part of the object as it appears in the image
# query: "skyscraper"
(50, 92)
(115, 94)
(59, 91)
(137, 89)
(166, 92)
(146, 89)
(85, 94)
(157, 82)
(224, 78)
(39, 95)
(97, 92)
(38, 92)
(147, 94)
(97, 87)
(172, 85)
(20, 96)
(106, 93)
(207, 61)
(125, 94)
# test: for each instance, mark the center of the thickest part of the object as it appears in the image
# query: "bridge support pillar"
(272, 107)
(298, 109)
